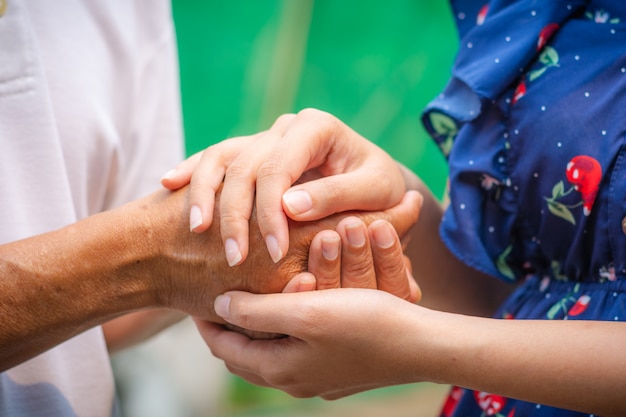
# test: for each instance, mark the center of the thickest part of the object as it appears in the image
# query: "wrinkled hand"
(336, 170)
(339, 341)
(194, 273)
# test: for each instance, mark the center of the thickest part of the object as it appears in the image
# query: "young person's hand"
(339, 342)
(306, 166)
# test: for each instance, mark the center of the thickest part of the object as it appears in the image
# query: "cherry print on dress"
(491, 404)
(452, 401)
(581, 305)
(585, 173)
(482, 14)
(545, 34)
(520, 92)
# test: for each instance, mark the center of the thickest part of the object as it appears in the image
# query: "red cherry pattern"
(585, 173)
(545, 34)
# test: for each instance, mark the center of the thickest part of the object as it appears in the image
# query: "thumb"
(257, 312)
(324, 196)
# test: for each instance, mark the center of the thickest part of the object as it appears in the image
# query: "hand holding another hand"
(192, 273)
(306, 166)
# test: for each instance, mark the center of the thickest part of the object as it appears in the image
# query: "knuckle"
(323, 121)
(271, 168)
(359, 272)
(284, 119)
(240, 168)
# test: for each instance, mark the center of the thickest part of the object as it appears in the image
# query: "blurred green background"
(372, 64)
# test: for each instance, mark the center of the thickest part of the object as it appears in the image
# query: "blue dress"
(533, 125)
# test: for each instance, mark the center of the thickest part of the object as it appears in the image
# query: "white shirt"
(89, 119)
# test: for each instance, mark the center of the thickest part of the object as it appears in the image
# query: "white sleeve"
(155, 141)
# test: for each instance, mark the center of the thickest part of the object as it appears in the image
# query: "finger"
(308, 142)
(207, 179)
(391, 272)
(300, 283)
(357, 265)
(248, 376)
(260, 312)
(325, 260)
(416, 291)
(234, 348)
(238, 194)
(181, 175)
(404, 215)
(322, 197)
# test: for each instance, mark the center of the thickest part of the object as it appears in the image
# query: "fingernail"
(222, 306)
(169, 174)
(273, 248)
(233, 254)
(195, 217)
(356, 233)
(382, 234)
(307, 283)
(330, 248)
(298, 201)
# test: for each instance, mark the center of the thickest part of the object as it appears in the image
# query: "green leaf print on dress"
(564, 304)
(502, 266)
(446, 130)
(549, 57)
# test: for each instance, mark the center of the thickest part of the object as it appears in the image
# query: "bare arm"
(138, 257)
(342, 342)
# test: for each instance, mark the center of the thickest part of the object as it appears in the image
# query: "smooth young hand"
(334, 169)
(318, 358)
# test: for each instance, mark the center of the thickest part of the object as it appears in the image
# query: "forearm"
(546, 362)
(62, 283)
(447, 284)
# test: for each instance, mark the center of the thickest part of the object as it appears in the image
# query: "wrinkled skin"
(203, 259)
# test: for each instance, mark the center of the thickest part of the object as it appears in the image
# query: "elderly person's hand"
(191, 273)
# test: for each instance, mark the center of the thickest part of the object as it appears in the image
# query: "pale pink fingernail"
(298, 201)
(195, 217)
(169, 174)
(355, 232)
(330, 248)
(382, 234)
(233, 254)
(222, 306)
(272, 246)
